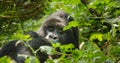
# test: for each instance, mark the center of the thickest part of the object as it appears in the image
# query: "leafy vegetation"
(98, 22)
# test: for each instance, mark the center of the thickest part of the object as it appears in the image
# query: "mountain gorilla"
(51, 29)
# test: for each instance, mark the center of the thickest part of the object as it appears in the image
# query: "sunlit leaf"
(96, 36)
(5, 59)
(70, 25)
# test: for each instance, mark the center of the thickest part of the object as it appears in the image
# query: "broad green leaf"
(96, 36)
(70, 25)
(5, 59)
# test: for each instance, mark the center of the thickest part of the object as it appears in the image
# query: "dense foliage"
(98, 22)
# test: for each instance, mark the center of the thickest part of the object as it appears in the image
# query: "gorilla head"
(52, 29)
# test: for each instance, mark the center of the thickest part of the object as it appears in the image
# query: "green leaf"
(115, 51)
(55, 45)
(32, 60)
(77, 54)
(49, 61)
(21, 36)
(70, 25)
(66, 48)
(5, 59)
(98, 36)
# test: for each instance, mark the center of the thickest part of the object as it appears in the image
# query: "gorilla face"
(53, 30)
(53, 33)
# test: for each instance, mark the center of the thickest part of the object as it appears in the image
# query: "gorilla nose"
(54, 37)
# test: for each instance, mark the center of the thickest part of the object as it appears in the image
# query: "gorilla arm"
(16, 47)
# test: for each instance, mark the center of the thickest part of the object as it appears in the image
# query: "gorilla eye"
(50, 28)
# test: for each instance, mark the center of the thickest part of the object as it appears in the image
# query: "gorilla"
(51, 29)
